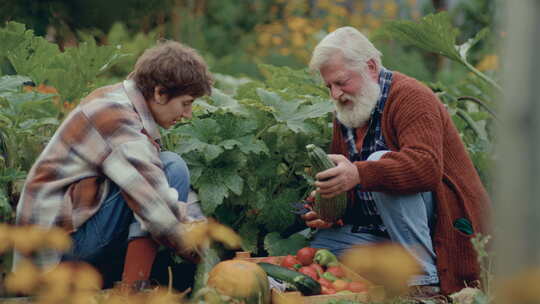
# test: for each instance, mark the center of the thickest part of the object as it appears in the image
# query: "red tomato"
(337, 271)
(340, 285)
(289, 261)
(357, 287)
(318, 268)
(325, 283)
(327, 291)
(305, 255)
(309, 271)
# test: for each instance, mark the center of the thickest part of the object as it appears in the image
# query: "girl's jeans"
(113, 225)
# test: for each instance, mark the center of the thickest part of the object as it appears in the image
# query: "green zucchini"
(303, 283)
(328, 209)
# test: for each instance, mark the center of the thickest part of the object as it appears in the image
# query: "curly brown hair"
(179, 69)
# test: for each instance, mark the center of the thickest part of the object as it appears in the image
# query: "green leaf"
(249, 232)
(204, 130)
(276, 214)
(220, 101)
(276, 246)
(294, 113)
(433, 33)
(13, 83)
(246, 144)
(212, 192)
(11, 174)
(234, 182)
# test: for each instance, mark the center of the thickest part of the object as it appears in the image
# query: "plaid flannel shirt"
(110, 137)
(364, 213)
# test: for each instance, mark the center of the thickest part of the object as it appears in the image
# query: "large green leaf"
(294, 113)
(212, 192)
(276, 246)
(13, 35)
(433, 33)
(222, 102)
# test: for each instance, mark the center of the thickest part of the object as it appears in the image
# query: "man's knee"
(377, 155)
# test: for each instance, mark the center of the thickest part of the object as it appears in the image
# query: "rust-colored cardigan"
(428, 155)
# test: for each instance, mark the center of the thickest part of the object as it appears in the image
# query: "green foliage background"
(245, 145)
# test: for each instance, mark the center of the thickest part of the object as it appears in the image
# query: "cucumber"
(303, 283)
(328, 209)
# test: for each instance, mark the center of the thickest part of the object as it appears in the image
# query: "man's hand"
(339, 179)
(313, 221)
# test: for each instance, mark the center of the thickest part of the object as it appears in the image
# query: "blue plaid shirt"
(364, 215)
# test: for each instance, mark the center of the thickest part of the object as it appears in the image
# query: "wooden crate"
(374, 293)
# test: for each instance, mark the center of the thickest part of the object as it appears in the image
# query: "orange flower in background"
(390, 9)
(488, 63)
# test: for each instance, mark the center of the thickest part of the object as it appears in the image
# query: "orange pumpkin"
(242, 280)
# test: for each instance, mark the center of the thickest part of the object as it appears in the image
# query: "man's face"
(355, 93)
(168, 113)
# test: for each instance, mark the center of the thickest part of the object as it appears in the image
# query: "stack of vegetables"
(312, 271)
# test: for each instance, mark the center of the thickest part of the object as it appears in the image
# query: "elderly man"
(103, 177)
(402, 163)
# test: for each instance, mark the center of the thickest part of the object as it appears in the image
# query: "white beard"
(357, 113)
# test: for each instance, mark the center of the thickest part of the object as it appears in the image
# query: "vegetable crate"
(374, 293)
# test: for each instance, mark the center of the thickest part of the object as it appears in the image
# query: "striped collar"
(141, 106)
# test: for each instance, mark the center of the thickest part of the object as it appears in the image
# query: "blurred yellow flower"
(163, 297)
(372, 22)
(285, 51)
(265, 39)
(488, 63)
(297, 23)
(298, 40)
(195, 235)
(522, 288)
(276, 40)
(24, 280)
(58, 239)
(324, 4)
(390, 9)
(389, 265)
(83, 298)
(338, 10)
(27, 239)
(225, 235)
(86, 277)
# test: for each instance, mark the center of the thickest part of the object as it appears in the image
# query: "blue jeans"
(114, 224)
(408, 219)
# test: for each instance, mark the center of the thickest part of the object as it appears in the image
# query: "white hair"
(355, 48)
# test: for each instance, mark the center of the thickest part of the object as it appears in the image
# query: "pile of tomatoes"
(333, 278)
